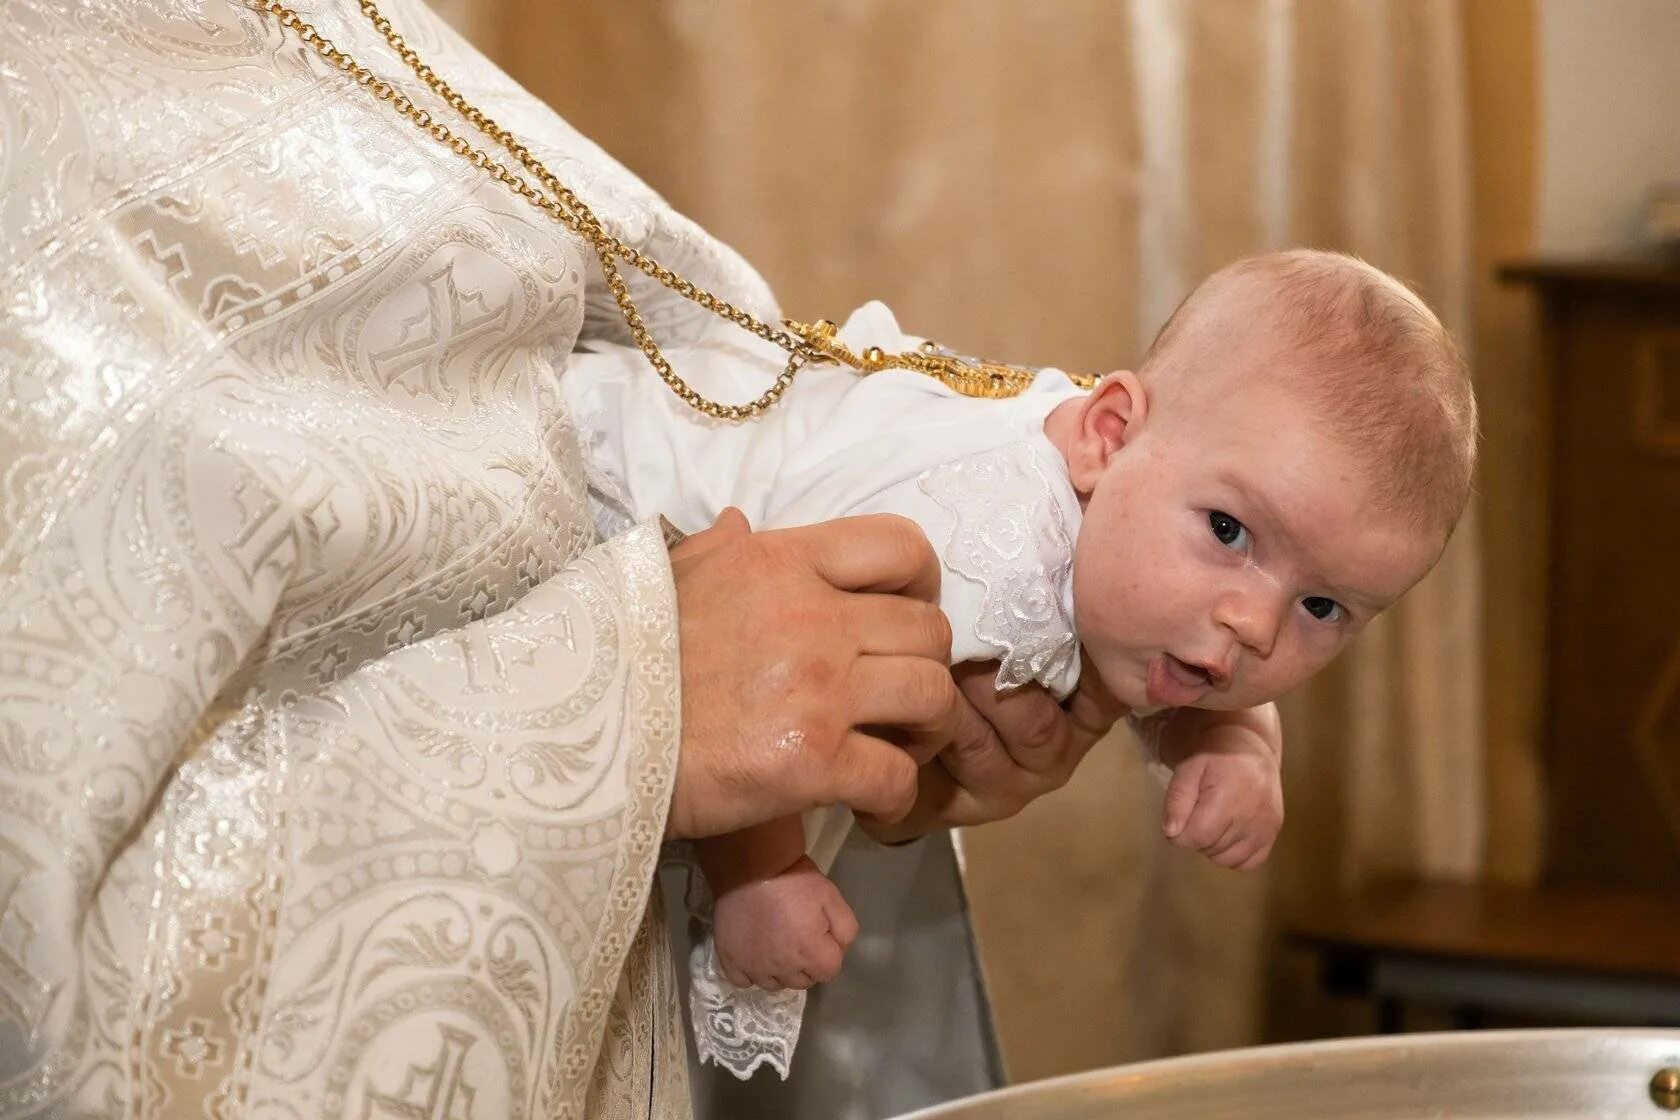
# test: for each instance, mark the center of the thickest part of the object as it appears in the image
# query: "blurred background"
(1484, 798)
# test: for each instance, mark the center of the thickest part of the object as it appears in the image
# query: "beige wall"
(1610, 97)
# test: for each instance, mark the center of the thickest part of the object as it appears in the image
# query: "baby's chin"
(1232, 701)
(1210, 702)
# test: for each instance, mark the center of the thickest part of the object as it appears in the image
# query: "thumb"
(731, 525)
(1182, 793)
(1092, 707)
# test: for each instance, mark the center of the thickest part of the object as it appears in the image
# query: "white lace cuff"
(740, 1029)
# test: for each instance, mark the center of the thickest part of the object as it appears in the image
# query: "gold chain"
(804, 343)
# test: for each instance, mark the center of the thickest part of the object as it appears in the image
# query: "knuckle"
(820, 733)
(930, 687)
(901, 789)
(905, 538)
(938, 632)
(804, 744)
(899, 543)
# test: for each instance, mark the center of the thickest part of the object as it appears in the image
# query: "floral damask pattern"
(334, 749)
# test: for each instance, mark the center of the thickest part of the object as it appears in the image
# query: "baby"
(1204, 533)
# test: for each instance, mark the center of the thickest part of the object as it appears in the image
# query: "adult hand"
(1005, 750)
(796, 644)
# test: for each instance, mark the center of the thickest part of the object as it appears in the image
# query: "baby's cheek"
(1098, 620)
(1316, 654)
(1088, 602)
(1288, 668)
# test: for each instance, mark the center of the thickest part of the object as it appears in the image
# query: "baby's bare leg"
(751, 854)
(777, 921)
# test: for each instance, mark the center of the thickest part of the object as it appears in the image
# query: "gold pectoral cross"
(969, 376)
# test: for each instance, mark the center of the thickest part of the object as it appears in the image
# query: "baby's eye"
(1228, 531)
(1325, 610)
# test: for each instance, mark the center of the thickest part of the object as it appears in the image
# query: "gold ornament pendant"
(969, 376)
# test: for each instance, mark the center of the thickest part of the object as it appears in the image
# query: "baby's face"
(1230, 551)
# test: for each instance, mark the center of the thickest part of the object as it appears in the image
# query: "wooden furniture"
(1599, 939)
(1612, 753)
(1558, 954)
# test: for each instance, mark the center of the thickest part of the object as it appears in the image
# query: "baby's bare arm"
(1183, 731)
(1225, 799)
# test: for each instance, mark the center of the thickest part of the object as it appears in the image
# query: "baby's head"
(1289, 459)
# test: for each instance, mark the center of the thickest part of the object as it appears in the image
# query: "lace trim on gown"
(1011, 537)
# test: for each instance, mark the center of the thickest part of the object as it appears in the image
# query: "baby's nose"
(1255, 620)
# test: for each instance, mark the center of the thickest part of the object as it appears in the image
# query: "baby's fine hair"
(1382, 371)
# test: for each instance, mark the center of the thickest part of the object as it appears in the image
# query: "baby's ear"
(1110, 418)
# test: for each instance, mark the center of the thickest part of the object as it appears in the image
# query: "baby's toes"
(733, 973)
(797, 979)
(768, 980)
(826, 960)
(842, 923)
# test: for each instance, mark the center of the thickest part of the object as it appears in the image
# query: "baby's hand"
(788, 931)
(1225, 799)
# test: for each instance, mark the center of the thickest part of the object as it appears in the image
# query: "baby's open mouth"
(1174, 682)
(1191, 674)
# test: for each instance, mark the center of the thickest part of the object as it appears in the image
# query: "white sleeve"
(1006, 550)
(651, 454)
(959, 598)
(654, 454)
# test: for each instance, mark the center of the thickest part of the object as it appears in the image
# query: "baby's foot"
(790, 931)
